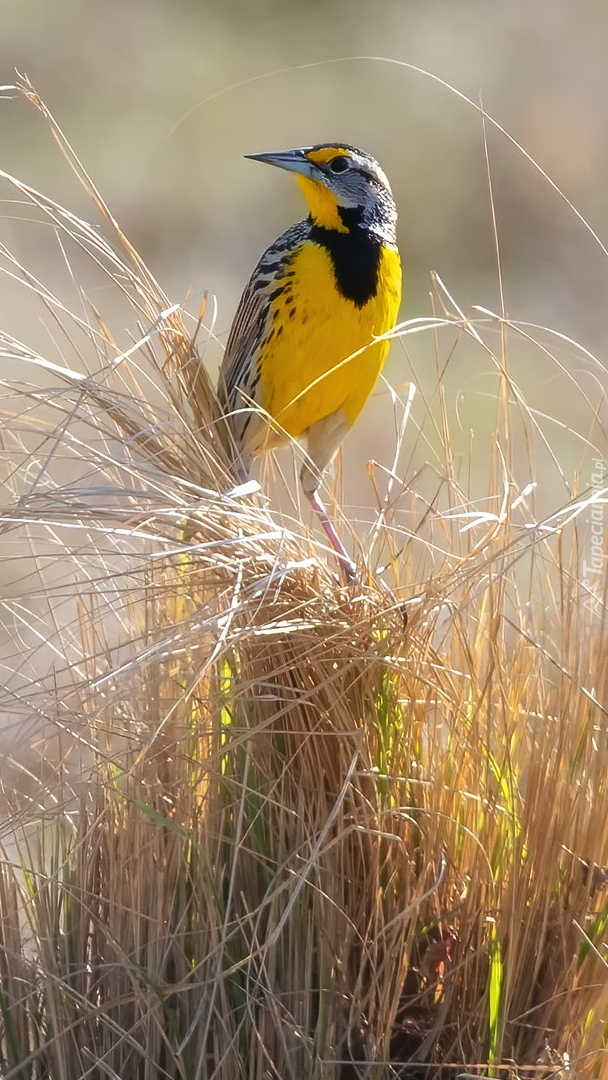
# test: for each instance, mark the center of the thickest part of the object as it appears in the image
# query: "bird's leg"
(323, 439)
(347, 566)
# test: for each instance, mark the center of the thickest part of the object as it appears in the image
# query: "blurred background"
(162, 98)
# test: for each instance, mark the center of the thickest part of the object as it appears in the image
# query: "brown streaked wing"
(249, 325)
(246, 333)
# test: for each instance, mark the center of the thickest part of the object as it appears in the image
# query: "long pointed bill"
(292, 160)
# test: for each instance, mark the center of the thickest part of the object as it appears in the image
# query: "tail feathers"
(240, 462)
(241, 467)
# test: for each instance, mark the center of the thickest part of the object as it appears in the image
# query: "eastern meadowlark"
(302, 356)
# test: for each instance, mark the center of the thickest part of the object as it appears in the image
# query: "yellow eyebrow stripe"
(326, 154)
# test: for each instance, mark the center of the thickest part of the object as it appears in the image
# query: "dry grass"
(274, 833)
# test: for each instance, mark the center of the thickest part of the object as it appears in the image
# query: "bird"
(303, 355)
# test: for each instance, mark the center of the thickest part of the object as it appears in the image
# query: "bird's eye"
(339, 164)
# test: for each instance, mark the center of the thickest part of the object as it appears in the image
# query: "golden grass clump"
(257, 824)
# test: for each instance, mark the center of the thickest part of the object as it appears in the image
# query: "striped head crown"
(345, 188)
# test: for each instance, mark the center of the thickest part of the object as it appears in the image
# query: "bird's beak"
(292, 160)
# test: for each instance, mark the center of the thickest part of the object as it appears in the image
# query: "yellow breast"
(308, 370)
